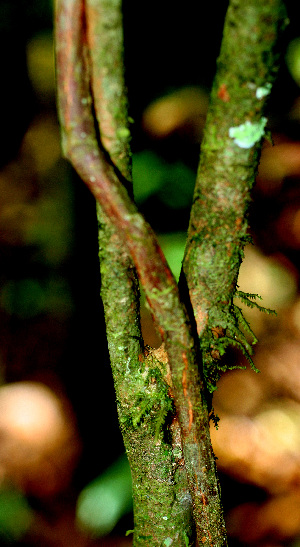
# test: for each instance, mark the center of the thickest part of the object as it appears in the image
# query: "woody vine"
(164, 396)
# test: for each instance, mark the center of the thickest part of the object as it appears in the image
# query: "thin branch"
(105, 41)
(218, 230)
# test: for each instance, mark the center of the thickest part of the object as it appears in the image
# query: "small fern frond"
(249, 299)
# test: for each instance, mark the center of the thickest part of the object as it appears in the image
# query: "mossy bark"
(161, 404)
(161, 499)
(218, 229)
(162, 503)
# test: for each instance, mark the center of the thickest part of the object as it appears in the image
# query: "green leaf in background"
(173, 183)
(173, 245)
(148, 177)
(52, 232)
(105, 500)
(293, 59)
(15, 515)
(30, 297)
(177, 190)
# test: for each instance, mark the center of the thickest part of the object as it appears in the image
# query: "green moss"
(228, 327)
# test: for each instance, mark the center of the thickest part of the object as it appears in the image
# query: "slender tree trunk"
(218, 229)
(162, 407)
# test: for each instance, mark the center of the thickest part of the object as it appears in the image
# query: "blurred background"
(63, 476)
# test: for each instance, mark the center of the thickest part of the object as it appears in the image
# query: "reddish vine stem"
(82, 148)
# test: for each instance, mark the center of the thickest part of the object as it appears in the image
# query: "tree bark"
(162, 502)
(162, 407)
(235, 125)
